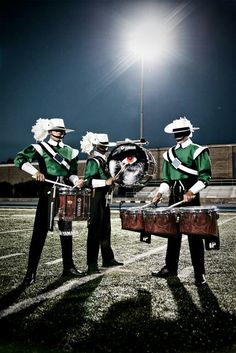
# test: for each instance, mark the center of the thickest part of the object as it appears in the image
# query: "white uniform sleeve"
(98, 183)
(197, 187)
(164, 188)
(29, 168)
(73, 179)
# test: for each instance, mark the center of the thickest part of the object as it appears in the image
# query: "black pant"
(196, 245)
(99, 229)
(39, 235)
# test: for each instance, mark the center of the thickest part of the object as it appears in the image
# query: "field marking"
(53, 262)
(226, 221)
(15, 231)
(77, 282)
(11, 255)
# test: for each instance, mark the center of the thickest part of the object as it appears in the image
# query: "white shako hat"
(57, 124)
(180, 125)
(44, 125)
(102, 139)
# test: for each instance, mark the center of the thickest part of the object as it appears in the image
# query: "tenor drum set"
(170, 222)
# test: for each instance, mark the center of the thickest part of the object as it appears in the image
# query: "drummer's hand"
(189, 196)
(39, 176)
(157, 198)
(79, 183)
(109, 181)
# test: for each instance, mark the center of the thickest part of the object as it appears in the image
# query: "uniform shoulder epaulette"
(37, 148)
(199, 150)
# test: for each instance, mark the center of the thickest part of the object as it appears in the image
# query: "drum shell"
(199, 221)
(73, 205)
(161, 222)
(132, 219)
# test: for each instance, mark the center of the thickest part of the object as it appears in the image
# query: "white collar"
(184, 144)
(96, 153)
(54, 143)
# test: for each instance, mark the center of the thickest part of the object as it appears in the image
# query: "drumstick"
(56, 183)
(148, 204)
(175, 204)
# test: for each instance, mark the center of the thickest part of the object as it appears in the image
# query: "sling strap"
(56, 156)
(177, 164)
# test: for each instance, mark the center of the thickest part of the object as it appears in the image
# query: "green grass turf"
(121, 310)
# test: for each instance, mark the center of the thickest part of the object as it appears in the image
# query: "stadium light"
(147, 42)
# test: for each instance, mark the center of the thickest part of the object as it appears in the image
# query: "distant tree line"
(8, 161)
(26, 189)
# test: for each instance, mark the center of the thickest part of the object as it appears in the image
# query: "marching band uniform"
(97, 177)
(57, 162)
(186, 171)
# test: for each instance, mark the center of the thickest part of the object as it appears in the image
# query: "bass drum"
(134, 164)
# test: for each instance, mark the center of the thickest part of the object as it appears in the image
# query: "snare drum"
(136, 173)
(73, 205)
(161, 221)
(132, 219)
(199, 220)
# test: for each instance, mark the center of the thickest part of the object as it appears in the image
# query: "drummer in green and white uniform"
(57, 162)
(186, 171)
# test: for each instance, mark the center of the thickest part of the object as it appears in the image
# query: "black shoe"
(72, 272)
(164, 273)
(92, 270)
(29, 279)
(112, 263)
(200, 280)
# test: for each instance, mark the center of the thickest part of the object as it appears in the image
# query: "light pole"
(147, 42)
(142, 99)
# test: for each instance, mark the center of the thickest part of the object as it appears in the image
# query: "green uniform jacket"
(95, 170)
(47, 165)
(193, 156)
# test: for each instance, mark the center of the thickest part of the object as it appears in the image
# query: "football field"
(122, 309)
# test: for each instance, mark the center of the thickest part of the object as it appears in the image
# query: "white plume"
(40, 129)
(86, 143)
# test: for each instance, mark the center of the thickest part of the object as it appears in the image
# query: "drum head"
(67, 191)
(198, 209)
(132, 161)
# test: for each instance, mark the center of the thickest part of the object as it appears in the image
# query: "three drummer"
(186, 171)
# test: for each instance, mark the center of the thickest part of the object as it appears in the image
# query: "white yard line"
(15, 231)
(53, 262)
(226, 221)
(11, 255)
(77, 282)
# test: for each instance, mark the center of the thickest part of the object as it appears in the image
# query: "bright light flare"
(150, 41)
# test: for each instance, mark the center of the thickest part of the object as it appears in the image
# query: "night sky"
(69, 59)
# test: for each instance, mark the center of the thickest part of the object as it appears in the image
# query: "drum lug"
(177, 218)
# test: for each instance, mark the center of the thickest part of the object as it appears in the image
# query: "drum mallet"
(126, 163)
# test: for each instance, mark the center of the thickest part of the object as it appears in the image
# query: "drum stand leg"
(145, 237)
